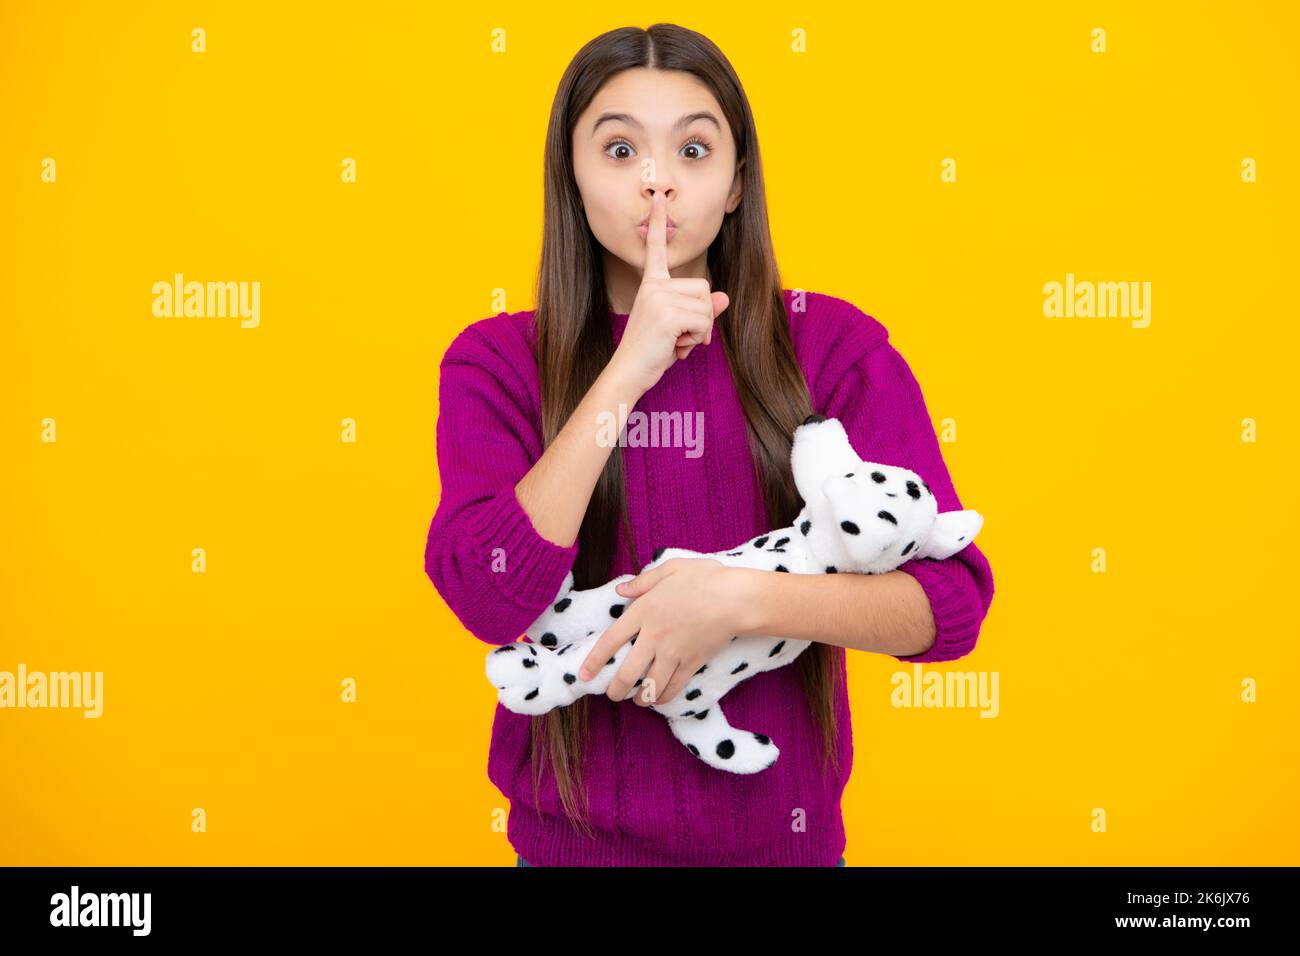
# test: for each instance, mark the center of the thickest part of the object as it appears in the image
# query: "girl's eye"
(695, 142)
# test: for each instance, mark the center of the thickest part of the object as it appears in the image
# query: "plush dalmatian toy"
(858, 516)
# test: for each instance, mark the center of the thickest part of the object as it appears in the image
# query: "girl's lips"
(644, 230)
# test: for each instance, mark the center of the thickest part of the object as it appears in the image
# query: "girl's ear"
(733, 203)
(737, 189)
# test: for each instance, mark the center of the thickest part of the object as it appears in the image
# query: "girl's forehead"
(653, 97)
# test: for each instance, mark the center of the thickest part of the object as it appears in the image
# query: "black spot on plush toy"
(858, 517)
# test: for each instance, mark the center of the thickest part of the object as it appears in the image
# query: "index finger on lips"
(656, 240)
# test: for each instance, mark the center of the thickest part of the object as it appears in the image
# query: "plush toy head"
(867, 517)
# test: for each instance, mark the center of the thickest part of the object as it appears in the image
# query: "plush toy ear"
(820, 449)
(953, 530)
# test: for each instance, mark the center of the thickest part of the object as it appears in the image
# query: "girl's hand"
(686, 611)
(670, 316)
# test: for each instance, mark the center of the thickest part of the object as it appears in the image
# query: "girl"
(658, 291)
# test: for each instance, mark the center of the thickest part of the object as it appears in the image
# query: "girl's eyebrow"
(631, 121)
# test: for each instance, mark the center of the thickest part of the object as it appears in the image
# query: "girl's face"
(650, 130)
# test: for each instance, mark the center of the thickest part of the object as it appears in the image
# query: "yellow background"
(1119, 691)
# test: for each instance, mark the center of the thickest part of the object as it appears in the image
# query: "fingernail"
(583, 674)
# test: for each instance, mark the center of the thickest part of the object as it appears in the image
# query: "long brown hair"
(575, 342)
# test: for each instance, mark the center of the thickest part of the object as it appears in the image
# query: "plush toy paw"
(708, 735)
(533, 680)
(539, 675)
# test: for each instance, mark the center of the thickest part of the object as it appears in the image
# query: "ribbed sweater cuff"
(957, 612)
(534, 568)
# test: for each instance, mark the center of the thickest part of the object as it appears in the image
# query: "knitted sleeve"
(490, 565)
(880, 404)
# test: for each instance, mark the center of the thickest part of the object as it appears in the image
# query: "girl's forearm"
(556, 491)
(886, 613)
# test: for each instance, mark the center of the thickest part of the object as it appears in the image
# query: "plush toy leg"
(533, 680)
(579, 614)
(709, 736)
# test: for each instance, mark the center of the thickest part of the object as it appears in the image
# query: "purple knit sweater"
(651, 801)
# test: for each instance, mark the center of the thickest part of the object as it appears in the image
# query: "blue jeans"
(520, 861)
